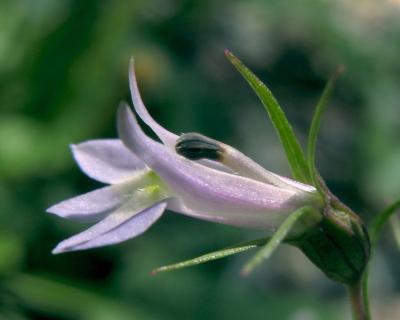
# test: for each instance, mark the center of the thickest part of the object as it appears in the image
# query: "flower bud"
(339, 245)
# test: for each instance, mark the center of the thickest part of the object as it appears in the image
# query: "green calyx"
(338, 245)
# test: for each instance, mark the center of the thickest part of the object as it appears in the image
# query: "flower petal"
(167, 137)
(125, 223)
(197, 146)
(247, 167)
(107, 160)
(94, 205)
(296, 184)
(210, 194)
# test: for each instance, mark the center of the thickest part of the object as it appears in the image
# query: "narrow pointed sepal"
(223, 253)
(269, 248)
(314, 129)
(291, 145)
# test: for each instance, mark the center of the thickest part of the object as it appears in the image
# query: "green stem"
(365, 291)
(359, 309)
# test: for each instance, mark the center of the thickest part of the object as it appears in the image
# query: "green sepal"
(235, 249)
(291, 145)
(314, 129)
(277, 238)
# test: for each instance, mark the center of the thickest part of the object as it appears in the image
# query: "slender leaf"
(294, 153)
(375, 230)
(66, 300)
(235, 249)
(377, 224)
(315, 125)
(270, 247)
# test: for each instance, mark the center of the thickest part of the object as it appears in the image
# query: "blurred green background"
(63, 71)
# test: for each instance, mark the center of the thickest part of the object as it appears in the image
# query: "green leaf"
(375, 230)
(270, 247)
(294, 153)
(235, 249)
(379, 221)
(315, 125)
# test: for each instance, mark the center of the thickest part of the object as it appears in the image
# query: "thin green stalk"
(358, 306)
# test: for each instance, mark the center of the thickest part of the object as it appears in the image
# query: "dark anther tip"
(195, 146)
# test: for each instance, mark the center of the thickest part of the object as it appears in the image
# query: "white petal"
(235, 160)
(167, 137)
(94, 205)
(215, 165)
(296, 184)
(125, 223)
(208, 193)
(247, 167)
(107, 160)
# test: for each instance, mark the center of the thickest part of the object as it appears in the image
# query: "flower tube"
(146, 177)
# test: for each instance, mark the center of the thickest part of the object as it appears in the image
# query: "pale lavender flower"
(146, 177)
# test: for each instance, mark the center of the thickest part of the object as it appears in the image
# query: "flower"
(146, 177)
